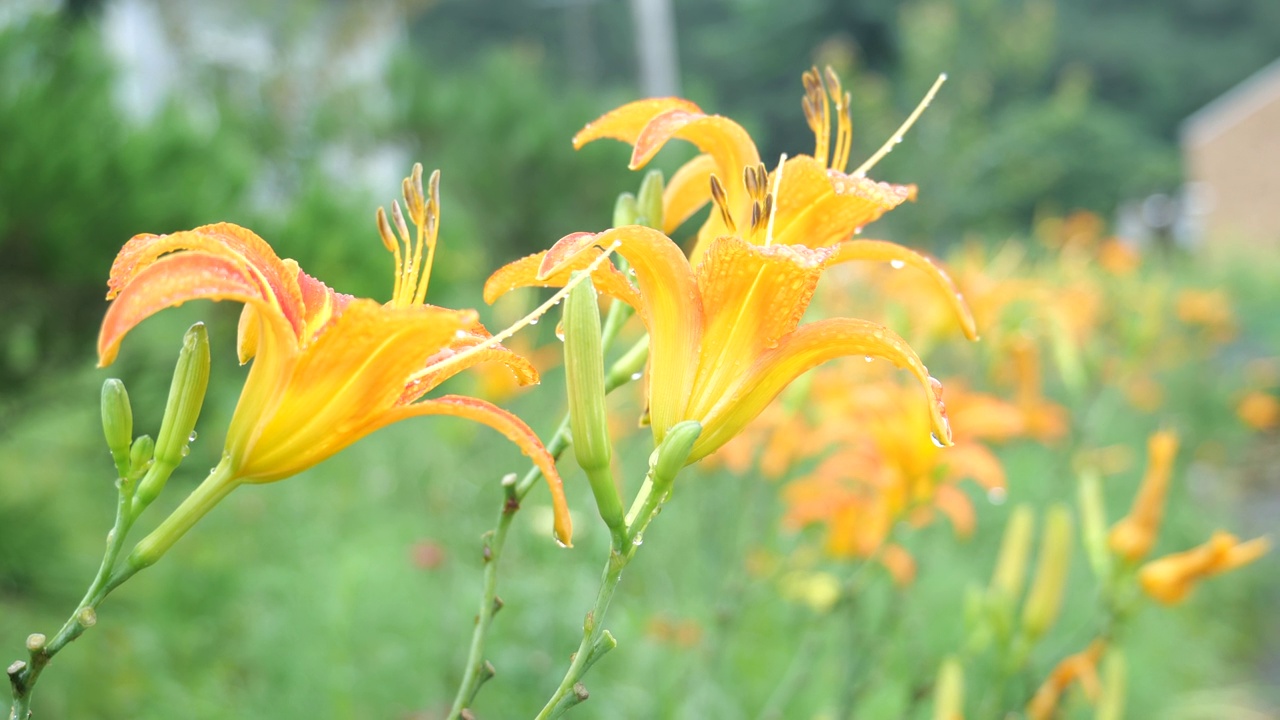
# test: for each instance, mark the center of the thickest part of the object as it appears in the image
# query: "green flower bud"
(1015, 549)
(1093, 520)
(625, 210)
(588, 419)
(1045, 598)
(649, 202)
(117, 423)
(140, 455)
(948, 698)
(1115, 674)
(186, 396)
(673, 453)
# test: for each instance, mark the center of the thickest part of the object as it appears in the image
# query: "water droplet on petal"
(637, 375)
(897, 264)
(533, 321)
(868, 358)
(857, 231)
(459, 333)
(936, 442)
(559, 541)
(897, 140)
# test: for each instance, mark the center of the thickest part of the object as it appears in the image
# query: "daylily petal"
(524, 273)
(175, 279)
(355, 369)
(524, 371)
(956, 506)
(319, 302)
(504, 422)
(883, 251)
(807, 347)
(671, 309)
(687, 191)
(714, 135)
(226, 240)
(752, 296)
(626, 122)
(818, 207)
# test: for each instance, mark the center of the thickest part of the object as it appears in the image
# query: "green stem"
(218, 485)
(24, 675)
(475, 674)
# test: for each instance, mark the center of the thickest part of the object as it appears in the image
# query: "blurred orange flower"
(1259, 410)
(1170, 579)
(1209, 310)
(1134, 535)
(1081, 667)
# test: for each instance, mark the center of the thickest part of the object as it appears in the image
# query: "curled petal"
(806, 348)
(818, 207)
(175, 279)
(524, 273)
(320, 304)
(688, 190)
(715, 135)
(626, 122)
(883, 251)
(670, 307)
(509, 425)
(232, 242)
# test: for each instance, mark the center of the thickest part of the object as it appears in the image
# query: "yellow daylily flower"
(724, 325)
(328, 368)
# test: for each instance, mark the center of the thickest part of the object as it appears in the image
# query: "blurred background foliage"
(1050, 107)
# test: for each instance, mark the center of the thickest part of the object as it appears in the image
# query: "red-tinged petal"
(883, 251)
(175, 279)
(320, 304)
(715, 135)
(818, 207)
(671, 308)
(752, 297)
(807, 347)
(520, 366)
(506, 423)
(626, 122)
(355, 369)
(524, 273)
(688, 190)
(956, 506)
(226, 240)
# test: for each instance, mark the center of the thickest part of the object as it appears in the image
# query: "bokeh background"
(349, 591)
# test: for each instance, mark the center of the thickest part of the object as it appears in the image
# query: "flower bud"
(948, 699)
(1093, 521)
(1045, 598)
(588, 419)
(649, 201)
(117, 423)
(140, 454)
(1015, 548)
(1134, 535)
(625, 211)
(672, 453)
(186, 396)
(1115, 674)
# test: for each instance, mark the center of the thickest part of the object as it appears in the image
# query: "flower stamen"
(520, 324)
(413, 273)
(844, 123)
(768, 200)
(897, 136)
(722, 202)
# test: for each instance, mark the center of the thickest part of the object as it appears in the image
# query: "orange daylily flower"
(1082, 668)
(885, 470)
(1133, 536)
(724, 326)
(1259, 410)
(1171, 578)
(328, 368)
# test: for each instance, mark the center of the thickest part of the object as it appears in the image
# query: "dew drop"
(559, 541)
(936, 442)
(897, 264)
(857, 231)
(533, 321)
(459, 333)
(897, 140)
(997, 495)
(192, 436)
(638, 540)
(186, 450)
(631, 272)
(637, 375)
(869, 358)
